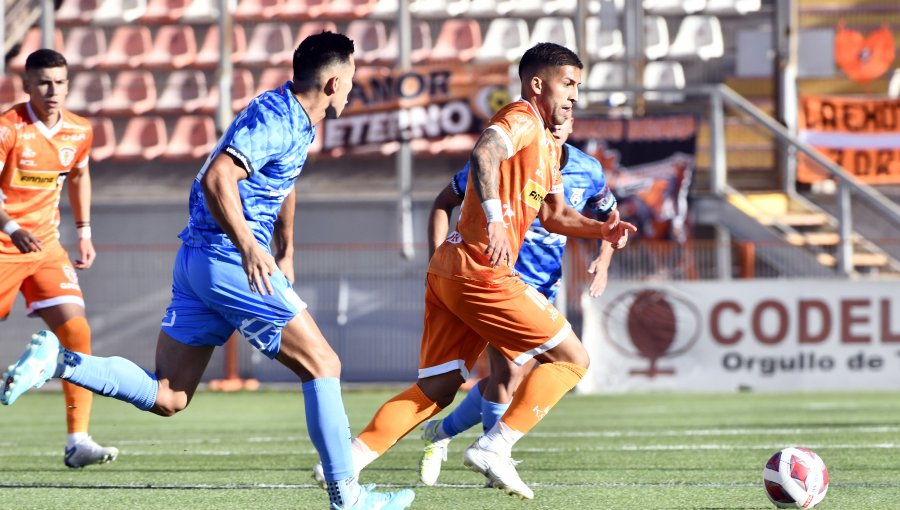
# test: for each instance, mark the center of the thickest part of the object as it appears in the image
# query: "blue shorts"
(211, 299)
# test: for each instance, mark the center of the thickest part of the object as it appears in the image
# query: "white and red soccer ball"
(795, 478)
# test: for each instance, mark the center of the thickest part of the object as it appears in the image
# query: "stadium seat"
(258, 10)
(557, 30)
(309, 28)
(133, 93)
(656, 37)
(270, 43)
(521, 8)
(699, 36)
(76, 12)
(143, 139)
(598, 6)
(385, 9)
(87, 91)
(893, 90)
(428, 8)
(354, 9)
(242, 91)
(459, 40)
(11, 91)
(119, 12)
(606, 75)
(421, 44)
(733, 6)
(201, 11)
(664, 75)
(85, 47)
(185, 91)
(208, 54)
(369, 38)
(272, 78)
(560, 7)
(164, 11)
(193, 137)
(127, 47)
(674, 6)
(104, 144)
(175, 47)
(482, 9)
(30, 43)
(505, 39)
(603, 42)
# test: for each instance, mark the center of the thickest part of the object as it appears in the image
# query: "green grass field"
(664, 451)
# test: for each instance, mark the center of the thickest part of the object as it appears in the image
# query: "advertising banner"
(754, 335)
(862, 135)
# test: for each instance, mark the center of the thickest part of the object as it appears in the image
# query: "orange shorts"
(462, 317)
(46, 279)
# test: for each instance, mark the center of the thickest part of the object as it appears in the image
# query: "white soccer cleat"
(33, 369)
(87, 452)
(433, 454)
(499, 469)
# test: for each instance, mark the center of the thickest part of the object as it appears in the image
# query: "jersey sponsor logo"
(28, 153)
(72, 284)
(66, 155)
(35, 179)
(533, 195)
(454, 238)
(74, 137)
(27, 136)
(27, 162)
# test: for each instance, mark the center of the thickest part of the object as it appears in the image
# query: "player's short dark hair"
(546, 54)
(317, 52)
(45, 58)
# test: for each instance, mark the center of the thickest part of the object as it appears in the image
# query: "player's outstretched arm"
(439, 218)
(484, 164)
(283, 235)
(559, 218)
(219, 184)
(79, 189)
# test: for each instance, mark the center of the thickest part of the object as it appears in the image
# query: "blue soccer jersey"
(540, 259)
(270, 139)
(211, 297)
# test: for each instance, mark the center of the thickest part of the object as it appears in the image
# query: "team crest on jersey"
(533, 195)
(575, 196)
(66, 156)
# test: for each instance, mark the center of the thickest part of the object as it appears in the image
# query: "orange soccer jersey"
(529, 173)
(36, 159)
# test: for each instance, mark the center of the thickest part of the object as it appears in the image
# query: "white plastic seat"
(522, 8)
(603, 42)
(556, 30)
(664, 75)
(674, 6)
(893, 90)
(733, 6)
(87, 91)
(369, 38)
(119, 12)
(482, 8)
(560, 7)
(85, 47)
(270, 44)
(505, 39)
(185, 91)
(606, 75)
(656, 37)
(699, 36)
(201, 11)
(598, 6)
(421, 44)
(429, 8)
(385, 9)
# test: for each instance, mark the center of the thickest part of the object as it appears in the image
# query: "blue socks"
(113, 377)
(329, 431)
(466, 415)
(491, 413)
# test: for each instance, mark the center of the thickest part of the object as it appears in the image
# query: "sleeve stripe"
(83, 162)
(509, 145)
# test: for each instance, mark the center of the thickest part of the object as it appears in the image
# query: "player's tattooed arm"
(484, 164)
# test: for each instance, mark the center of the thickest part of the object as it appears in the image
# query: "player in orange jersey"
(41, 146)
(472, 292)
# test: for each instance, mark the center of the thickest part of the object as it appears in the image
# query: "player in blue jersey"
(539, 265)
(225, 276)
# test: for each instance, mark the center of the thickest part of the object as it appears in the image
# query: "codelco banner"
(426, 102)
(860, 134)
(648, 162)
(786, 335)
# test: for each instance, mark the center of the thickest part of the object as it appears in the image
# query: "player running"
(41, 146)
(539, 265)
(472, 292)
(225, 277)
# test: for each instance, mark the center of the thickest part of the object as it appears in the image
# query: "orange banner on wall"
(862, 135)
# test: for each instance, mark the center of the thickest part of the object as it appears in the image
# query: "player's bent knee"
(169, 403)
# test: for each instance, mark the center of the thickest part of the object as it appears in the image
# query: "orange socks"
(539, 392)
(75, 335)
(396, 418)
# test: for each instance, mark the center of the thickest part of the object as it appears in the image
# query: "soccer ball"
(795, 478)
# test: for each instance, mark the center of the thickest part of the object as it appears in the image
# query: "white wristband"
(493, 211)
(10, 227)
(84, 232)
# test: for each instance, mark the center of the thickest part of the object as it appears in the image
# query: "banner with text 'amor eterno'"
(786, 335)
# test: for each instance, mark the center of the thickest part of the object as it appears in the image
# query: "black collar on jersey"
(564, 156)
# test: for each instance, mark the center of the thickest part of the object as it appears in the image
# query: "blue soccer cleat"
(34, 368)
(370, 500)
